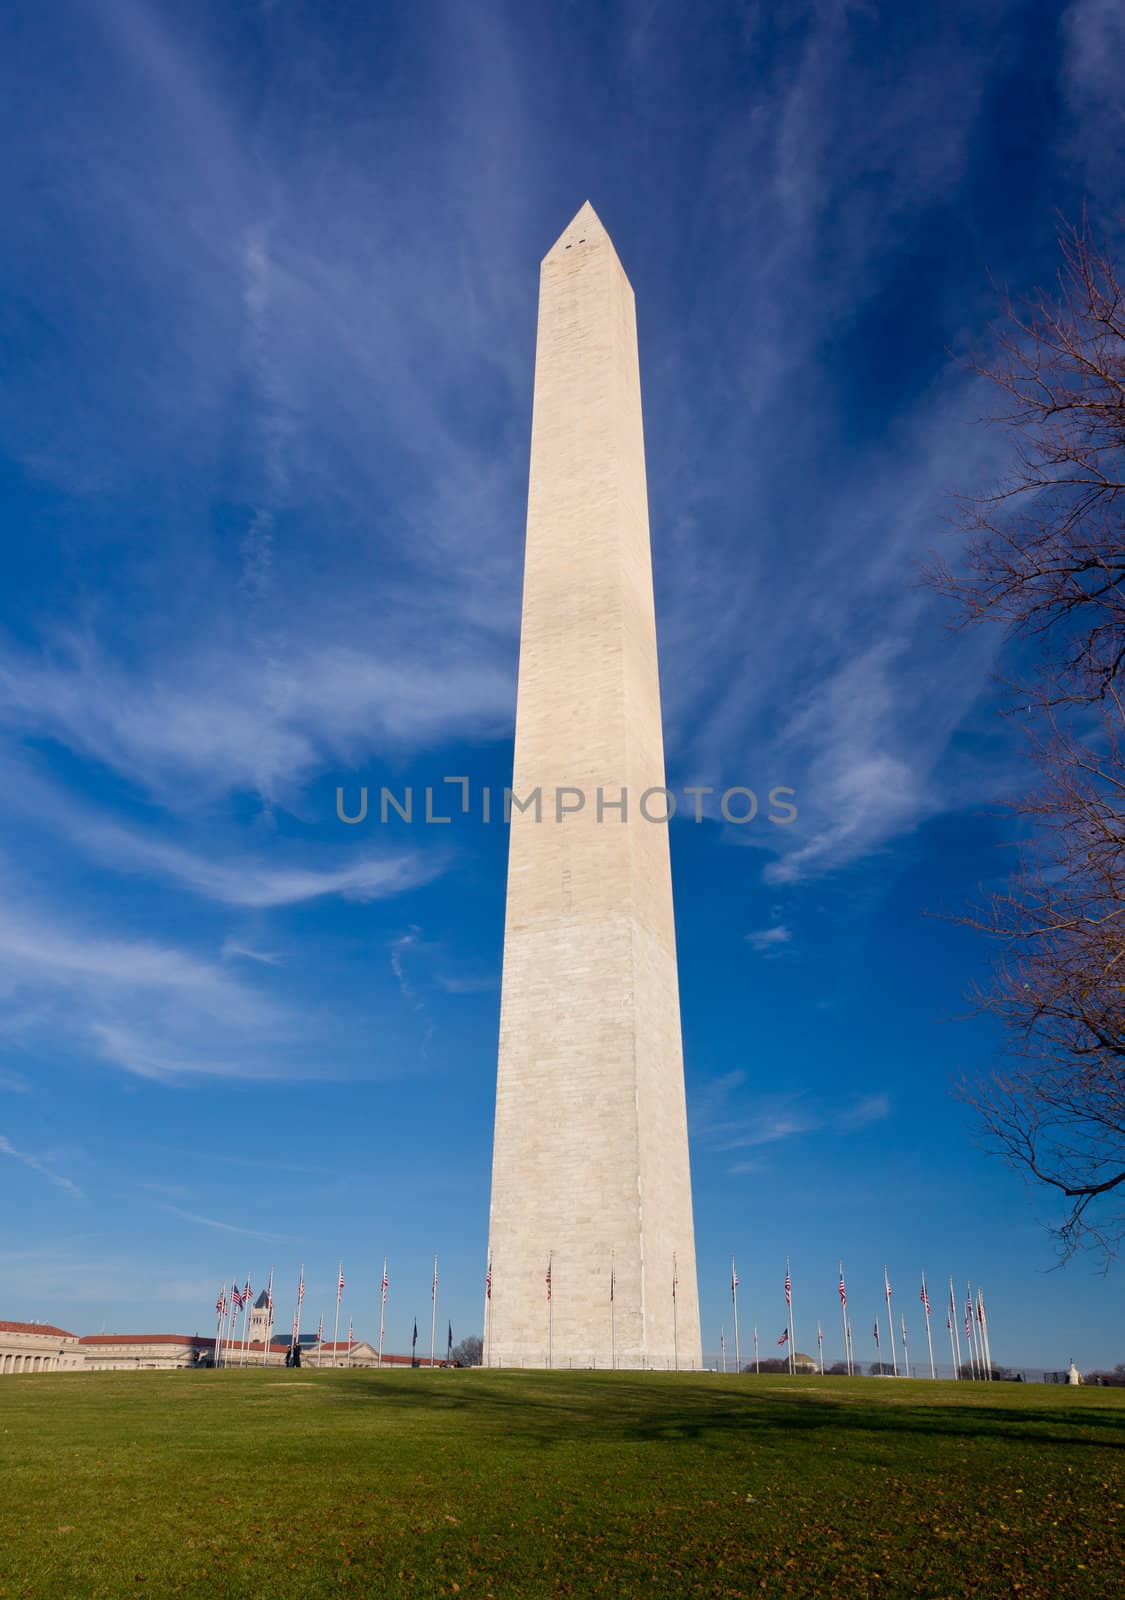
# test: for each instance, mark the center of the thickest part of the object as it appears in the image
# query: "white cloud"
(223, 1227)
(267, 958)
(725, 1119)
(35, 1165)
(871, 1108)
(769, 941)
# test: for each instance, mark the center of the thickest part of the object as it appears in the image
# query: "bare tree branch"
(1046, 559)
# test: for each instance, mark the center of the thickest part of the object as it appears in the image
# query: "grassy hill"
(284, 1484)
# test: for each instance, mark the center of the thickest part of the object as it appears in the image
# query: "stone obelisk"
(591, 1242)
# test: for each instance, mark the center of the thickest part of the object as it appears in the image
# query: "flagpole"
(983, 1326)
(820, 1342)
(756, 1366)
(220, 1361)
(226, 1328)
(433, 1312)
(245, 1321)
(734, 1301)
(792, 1329)
(613, 1310)
(968, 1330)
(955, 1330)
(929, 1335)
(319, 1339)
(890, 1320)
(229, 1341)
(905, 1350)
(382, 1309)
(844, 1320)
(219, 1310)
(297, 1318)
(675, 1332)
(339, 1296)
(550, 1309)
(488, 1312)
(267, 1339)
(723, 1345)
(953, 1355)
(971, 1330)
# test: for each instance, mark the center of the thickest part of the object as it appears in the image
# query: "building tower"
(260, 1319)
(591, 1242)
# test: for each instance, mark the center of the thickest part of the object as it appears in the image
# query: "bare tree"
(469, 1352)
(1046, 559)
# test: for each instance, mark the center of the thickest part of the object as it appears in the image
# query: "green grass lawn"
(278, 1484)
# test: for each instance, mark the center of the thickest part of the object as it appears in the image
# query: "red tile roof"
(147, 1338)
(35, 1327)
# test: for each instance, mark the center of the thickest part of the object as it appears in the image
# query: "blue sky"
(269, 295)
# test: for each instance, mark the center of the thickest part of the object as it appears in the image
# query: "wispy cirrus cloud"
(223, 1227)
(233, 948)
(870, 1108)
(215, 722)
(726, 1119)
(247, 883)
(34, 1164)
(153, 1008)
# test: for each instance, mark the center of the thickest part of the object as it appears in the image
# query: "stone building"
(328, 1354)
(38, 1347)
(131, 1352)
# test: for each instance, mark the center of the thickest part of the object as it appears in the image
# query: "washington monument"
(591, 1242)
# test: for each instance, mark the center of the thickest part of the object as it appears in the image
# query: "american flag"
(969, 1318)
(320, 1331)
(924, 1297)
(784, 1337)
(301, 1288)
(548, 1280)
(235, 1297)
(887, 1282)
(733, 1276)
(488, 1281)
(980, 1308)
(340, 1284)
(876, 1333)
(246, 1293)
(819, 1334)
(843, 1291)
(386, 1280)
(433, 1286)
(221, 1303)
(351, 1335)
(788, 1289)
